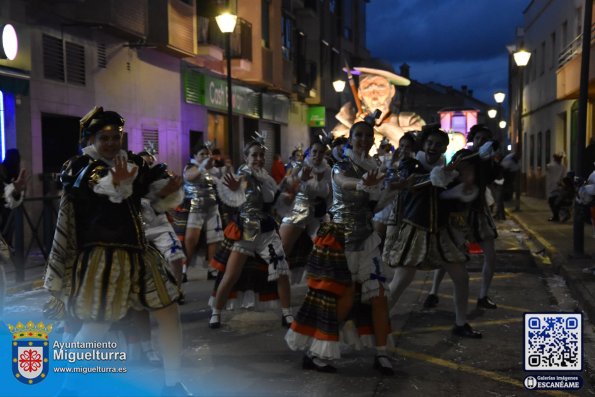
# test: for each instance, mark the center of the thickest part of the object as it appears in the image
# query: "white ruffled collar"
(94, 154)
(366, 162)
(421, 157)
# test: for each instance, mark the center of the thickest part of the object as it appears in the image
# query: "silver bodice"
(254, 210)
(200, 191)
(304, 202)
(351, 207)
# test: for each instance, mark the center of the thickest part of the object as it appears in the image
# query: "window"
(579, 21)
(266, 34)
(539, 149)
(554, 58)
(347, 18)
(287, 37)
(532, 151)
(564, 38)
(542, 59)
(548, 146)
(53, 58)
(63, 61)
(75, 63)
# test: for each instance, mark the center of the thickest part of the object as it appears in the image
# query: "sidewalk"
(557, 240)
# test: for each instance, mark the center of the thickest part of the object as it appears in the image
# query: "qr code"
(553, 342)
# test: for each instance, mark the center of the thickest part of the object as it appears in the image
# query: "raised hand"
(373, 177)
(173, 184)
(232, 183)
(306, 174)
(21, 181)
(120, 171)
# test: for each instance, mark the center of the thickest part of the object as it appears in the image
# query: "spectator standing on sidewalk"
(554, 172)
(13, 179)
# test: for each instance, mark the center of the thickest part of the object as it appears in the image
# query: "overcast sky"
(452, 42)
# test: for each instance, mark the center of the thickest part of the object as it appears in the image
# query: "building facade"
(546, 114)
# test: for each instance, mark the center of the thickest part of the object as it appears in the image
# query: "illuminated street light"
(339, 85)
(521, 57)
(492, 113)
(227, 24)
(499, 97)
(502, 124)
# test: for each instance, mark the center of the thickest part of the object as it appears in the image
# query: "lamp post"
(521, 59)
(578, 225)
(227, 24)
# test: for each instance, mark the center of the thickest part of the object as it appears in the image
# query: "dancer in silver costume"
(200, 202)
(346, 263)
(252, 232)
(309, 206)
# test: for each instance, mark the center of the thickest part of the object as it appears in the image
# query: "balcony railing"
(209, 33)
(574, 48)
(241, 38)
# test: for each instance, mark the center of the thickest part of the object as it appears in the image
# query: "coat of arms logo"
(30, 351)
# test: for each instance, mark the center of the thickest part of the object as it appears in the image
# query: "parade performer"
(406, 150)
(310, 203)
(200, 211)
(419, 235)
(100, 264)
(345, 262)
(252, 232)
(482, 228)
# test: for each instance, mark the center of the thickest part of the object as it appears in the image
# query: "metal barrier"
(14, 230)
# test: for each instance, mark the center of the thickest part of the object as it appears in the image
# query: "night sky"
(452, 42)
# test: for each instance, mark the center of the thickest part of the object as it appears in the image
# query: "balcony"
(211, 42)
(127, 19)
(569, 69)
(176, 33)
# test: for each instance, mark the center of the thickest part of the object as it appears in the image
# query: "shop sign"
(316, 116)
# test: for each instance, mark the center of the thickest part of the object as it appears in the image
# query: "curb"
(560, 263)
(24, 286)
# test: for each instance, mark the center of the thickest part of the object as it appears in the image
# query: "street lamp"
(499, 97)
(521, 59)
(502, 124)
(492, 113)
(339, 85)
(227, 24)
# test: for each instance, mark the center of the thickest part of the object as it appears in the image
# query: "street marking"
(475, 278)
(471, 370)
(500, 306)
(449, 327)
(550, 248)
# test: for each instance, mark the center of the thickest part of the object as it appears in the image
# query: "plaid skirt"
(252, 290)
(316, 326)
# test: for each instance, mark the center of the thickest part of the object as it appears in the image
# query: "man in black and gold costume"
(101, 265)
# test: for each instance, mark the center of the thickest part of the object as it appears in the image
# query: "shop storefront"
(252, 111)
